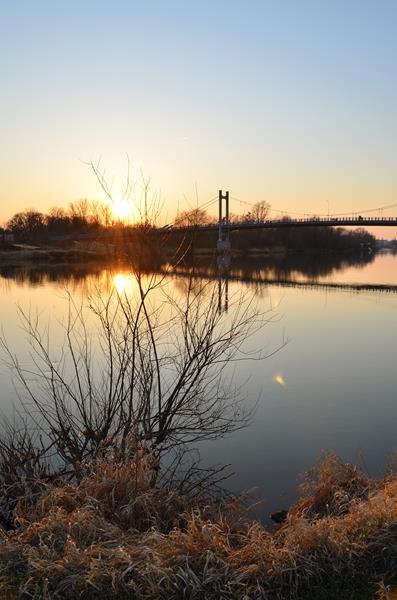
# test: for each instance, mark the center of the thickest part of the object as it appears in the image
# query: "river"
(328, 384)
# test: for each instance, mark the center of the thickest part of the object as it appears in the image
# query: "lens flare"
(279, 379)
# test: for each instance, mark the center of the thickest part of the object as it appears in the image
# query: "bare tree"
(192, 218)
(80, 209)
(105, 214)
(27, 223)
(259, 212)
(135, 192)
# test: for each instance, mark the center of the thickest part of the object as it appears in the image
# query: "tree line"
(80, 216)
(198, 216)
(286, 238)
(90, 216)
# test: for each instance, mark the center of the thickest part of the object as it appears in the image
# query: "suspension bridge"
(225, 224)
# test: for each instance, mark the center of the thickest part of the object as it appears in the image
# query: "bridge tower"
(223, 244)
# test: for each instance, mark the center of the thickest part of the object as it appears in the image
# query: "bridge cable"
(289, 212)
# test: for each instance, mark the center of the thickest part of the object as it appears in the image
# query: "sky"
(292, 102)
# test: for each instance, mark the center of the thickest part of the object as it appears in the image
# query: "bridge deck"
(281, 223)
(271, 224)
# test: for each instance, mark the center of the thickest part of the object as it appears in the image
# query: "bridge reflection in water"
(311, 271)
(304, 271)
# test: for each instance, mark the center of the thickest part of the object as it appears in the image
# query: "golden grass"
(114, 535)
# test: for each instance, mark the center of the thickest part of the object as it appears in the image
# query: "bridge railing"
(352, 220)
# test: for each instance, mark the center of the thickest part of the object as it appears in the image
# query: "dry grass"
(115, 536)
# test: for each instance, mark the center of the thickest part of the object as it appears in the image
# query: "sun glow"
(121, 209)
(122, 283)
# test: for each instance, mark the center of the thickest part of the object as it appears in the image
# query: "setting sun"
(121, 209)
(198, 300)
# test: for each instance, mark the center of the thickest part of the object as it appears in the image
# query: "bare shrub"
(146, 367)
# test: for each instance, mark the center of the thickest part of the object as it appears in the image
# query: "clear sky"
(293, 102)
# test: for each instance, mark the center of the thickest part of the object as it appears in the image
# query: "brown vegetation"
(115, 535)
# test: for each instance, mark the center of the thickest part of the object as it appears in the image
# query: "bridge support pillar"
(223, 244)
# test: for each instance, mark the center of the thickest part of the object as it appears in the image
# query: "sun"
(121, 209)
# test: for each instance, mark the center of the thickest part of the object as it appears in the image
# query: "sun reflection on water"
(122, 283)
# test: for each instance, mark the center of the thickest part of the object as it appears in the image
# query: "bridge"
(358, 221)
(225, 225)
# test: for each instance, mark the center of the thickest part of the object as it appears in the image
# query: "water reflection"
(327, 388)
(285, 268)
(297, 268)
(49, 273)
(123, 282)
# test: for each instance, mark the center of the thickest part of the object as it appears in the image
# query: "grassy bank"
(113, 535)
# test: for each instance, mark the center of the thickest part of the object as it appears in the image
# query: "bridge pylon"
(223, 244)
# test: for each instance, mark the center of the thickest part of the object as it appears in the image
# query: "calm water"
(331, 386)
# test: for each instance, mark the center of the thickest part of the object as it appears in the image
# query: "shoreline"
(29, 254)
